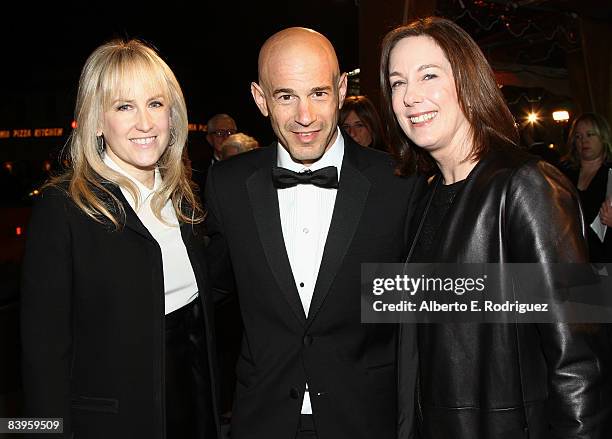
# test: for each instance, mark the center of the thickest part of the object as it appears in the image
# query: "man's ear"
(342, 87)
(260, 98)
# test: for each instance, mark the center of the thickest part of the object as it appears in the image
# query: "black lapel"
(131, 219)
(423, 207)
(350, 201)
(264, 202)
(451, 225)
(195, 252)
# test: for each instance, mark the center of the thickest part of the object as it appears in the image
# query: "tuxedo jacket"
(350, 367)
(92, 320)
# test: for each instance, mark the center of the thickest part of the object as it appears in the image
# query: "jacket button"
(294, 393)
(307, 340)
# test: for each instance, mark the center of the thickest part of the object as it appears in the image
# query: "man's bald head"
(292, 43)
(301, 90)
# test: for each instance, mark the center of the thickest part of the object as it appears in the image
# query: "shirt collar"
(332, 157)
(144, 191)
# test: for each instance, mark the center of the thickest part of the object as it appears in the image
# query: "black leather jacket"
(494, 381)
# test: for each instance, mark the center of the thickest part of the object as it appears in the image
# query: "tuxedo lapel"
(350, 201)
(264, 202)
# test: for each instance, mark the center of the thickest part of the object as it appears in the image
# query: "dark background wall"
(211, 46)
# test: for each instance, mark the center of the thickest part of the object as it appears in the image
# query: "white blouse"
(179, 279)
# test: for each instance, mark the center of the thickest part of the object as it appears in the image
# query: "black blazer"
(92, 318)
(350, 367)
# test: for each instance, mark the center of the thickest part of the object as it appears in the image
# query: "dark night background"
(211, 46)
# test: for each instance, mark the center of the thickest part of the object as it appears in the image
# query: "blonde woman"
(587, 165)
(115, 315)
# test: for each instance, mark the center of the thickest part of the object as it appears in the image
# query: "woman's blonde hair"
(107, 73)
(601, 128)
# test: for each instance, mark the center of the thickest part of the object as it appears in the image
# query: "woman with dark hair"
(115, 315)
(587, 165)
(487, 202)
(360, 120)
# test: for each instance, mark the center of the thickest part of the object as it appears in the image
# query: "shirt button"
(302, 284)
(305, 230)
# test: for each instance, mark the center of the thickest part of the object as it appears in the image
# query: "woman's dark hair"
(482, 103)
(366, 112)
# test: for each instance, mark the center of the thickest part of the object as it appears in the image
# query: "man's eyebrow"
(291, 91)
(288, 91)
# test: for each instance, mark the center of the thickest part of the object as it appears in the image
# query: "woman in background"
(486, 203)
(360, 120)
(587, 165)
(115, 314)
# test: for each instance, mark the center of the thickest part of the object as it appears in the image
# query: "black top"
(591, 199)
(443, 196)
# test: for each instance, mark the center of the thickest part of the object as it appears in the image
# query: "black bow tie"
(325, 177)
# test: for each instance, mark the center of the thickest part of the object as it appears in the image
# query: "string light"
(530, 24)
(526, 97)
(548, 55)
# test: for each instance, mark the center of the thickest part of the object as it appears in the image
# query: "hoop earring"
(100, 144)
(172, 140)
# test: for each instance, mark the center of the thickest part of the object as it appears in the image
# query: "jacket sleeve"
(544, 211)
(217, 250)
(407, 370)
(46, 308)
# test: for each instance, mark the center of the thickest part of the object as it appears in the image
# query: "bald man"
(289, 227)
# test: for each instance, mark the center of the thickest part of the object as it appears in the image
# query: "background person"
(587, 165)
(360, 120)
(237, 144)
(115, 315)
(218, 128)
(487, 203)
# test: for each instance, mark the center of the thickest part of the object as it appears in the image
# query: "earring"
(172, 136)
(100, 144)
